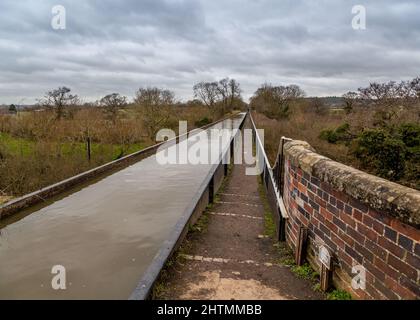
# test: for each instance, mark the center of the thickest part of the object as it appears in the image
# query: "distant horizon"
(130, 100)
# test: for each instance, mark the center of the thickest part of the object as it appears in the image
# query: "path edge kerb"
(380, 194)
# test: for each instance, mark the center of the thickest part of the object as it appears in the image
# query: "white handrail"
(260, 148)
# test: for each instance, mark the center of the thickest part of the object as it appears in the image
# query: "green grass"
(317, 287)
(286, 255)
(269, 225)
(308, 273)
(339, 295)
(288, 261)
(25, 147)
(305, 271)
(270, 230)
(16, 146)
(200, 225)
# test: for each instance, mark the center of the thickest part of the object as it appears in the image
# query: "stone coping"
(380, 194)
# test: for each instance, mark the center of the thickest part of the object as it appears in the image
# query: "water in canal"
(105, 234)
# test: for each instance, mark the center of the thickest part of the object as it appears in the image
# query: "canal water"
(105, 235)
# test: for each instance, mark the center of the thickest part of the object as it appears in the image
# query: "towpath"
(230, 256)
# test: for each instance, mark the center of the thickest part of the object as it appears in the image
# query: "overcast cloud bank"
(118, 46)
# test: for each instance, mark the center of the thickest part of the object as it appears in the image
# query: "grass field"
(37, 150)
(26, 148)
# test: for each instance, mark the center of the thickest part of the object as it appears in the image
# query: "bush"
(392, 158)
(328, 135)
(342, 133)
(378, 149)
(202, 122)
(410, 134)
(319, 131)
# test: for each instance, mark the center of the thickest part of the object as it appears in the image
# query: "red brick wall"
(356, 235)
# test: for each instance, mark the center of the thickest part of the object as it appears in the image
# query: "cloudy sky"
(119, 46)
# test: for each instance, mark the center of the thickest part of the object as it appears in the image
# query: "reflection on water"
(105, 234)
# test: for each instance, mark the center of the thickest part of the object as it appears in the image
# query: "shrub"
(202, 122)
(275, 101)
(410, 134)
(341, 133)
(305, 124)
(392, 158)
(328, 135)
(378, 149)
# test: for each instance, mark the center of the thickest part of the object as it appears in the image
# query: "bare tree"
(234, 92)
(58, 100)
(292, 92)
(318, 105)
(229, 91)
(389, 97)
(274, 101)
(154, 104)
(225, 92)
(410, 90)
(112, 103)
(415, 87)
(391, 92)
(383, 94)
(349, 100)
(207, 92)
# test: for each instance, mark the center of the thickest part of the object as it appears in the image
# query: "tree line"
(155, 104)
(390, 146)
(387, 94)
(224, 94)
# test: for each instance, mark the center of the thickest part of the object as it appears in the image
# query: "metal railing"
(272, 178)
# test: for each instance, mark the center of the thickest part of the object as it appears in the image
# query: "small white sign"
(325, 256)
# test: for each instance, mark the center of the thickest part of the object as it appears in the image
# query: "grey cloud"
(112, 45)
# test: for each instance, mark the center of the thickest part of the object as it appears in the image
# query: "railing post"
(300, 250)
(279, 165)
(88, 148)
(282, 227)
(211, 190)
(232, 151)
